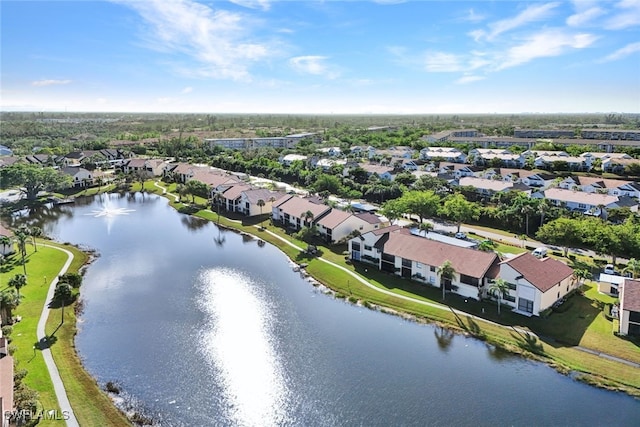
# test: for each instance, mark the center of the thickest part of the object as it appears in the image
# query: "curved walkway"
(407, 298)
(456, 312)
(58, 386)
(165, 192)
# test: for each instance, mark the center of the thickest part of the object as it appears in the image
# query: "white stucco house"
(535, 284)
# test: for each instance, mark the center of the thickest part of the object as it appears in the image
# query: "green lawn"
(90, 404)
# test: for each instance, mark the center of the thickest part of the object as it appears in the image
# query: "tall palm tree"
(21, 238)
(260, 204)
(9, 300)
(35, 232)
(18, 281)
(633, 267)
(447, 273)
(498, 288)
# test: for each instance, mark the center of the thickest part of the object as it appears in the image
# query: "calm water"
(207, 327)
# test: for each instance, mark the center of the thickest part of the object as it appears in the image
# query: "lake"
(206, 327)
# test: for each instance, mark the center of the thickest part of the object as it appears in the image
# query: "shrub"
(112, 387)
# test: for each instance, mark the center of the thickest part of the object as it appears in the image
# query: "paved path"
(58, 386)
(164, 191)
(457, 312)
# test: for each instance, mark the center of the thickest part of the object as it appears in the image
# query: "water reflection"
(238, 343)
(444, 337)
(193, 223)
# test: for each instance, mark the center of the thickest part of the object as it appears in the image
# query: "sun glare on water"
(238, 344)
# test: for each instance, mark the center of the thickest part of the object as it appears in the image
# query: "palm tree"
(9, 300)
(447, 273)
(633, 266)
(35, 232)
(487, 245)
(308, 217)
(498, 288)
(260, 204)
(5, 241)
(18, 281)
(21, 237)
(63, 294)
(426, 227)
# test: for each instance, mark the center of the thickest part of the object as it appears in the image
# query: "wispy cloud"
(186, 90)
(469, 79)
(472, 16)
(628, 15)
(50, 82)
(586, 12)
(530, 14)
(547, 43)
(253, 4)
(629, 49)
(441, 62)
(313, 64)
(219, 41)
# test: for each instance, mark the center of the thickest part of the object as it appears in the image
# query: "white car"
(609, 269)
(461, 235)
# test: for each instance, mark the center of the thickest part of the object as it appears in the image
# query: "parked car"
(461, 235)
(540, 252)
(609, 269)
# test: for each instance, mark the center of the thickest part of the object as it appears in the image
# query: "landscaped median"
(554, 340)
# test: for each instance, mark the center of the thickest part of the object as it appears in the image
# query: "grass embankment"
(581, 324)
(90, 404)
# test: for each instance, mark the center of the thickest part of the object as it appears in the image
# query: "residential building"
(396, 250)
(450, 154)
(8, 160)
(576, 163)
(629, 311)
(535, 284)
(486, 187)
(249, 199)
(613, 187)
(289, 141)
(453, 133)
(338, 224)
(522, 176)
(611, 134)
(292, 211)
(589, 203)
(331, 151)
(543, 133)
(619, 165)
(457, 170)
(81, 177)
(290, 158)
(383, 172)
(146, 167)
(6, 381)
(6, 248)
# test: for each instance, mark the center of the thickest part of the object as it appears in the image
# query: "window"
(432, 280)
(355, 246)
(432, 268)
(508, 297)
(512, 286)
(367, 248)
(525, 305)
(418, 265)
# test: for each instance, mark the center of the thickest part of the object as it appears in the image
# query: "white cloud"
(187, 89)
(468, 79)
(530, 14)
(472, 16)
(628, 16)
(313, 64)
(584, 17)
(218, 40)
(547, 43)
(622, 52)
(441, 62)
(253, 4)
(50, 82)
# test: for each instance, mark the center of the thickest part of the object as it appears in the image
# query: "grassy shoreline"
(93, 406)
(559, 352)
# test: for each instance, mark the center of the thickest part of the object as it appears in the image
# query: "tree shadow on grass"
(46, 342)
(528, 342)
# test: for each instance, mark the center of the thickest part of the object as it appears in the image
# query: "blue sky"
(320, 57)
